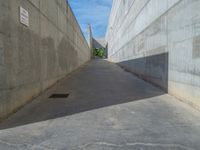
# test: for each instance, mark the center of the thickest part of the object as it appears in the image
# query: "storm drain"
(59, 96)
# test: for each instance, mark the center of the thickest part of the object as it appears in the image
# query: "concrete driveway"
(107, 109)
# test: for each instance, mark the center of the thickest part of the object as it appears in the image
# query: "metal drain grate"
(59, 96)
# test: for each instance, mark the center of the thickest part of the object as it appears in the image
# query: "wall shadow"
(97, 85)
(153, 69)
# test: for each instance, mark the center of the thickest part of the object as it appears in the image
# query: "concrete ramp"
(107, 108)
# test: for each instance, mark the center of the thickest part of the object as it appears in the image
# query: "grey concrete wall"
(90, 36)
(99, 43)
(34, 58)
(159, 41)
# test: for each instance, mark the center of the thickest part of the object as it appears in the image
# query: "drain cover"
(59, 96)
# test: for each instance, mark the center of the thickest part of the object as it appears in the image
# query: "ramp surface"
(102, 107)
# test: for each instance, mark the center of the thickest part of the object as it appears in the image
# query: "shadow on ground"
(97, 84)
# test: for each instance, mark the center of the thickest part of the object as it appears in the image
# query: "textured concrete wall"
(159, 41)
(33, 58)
(99, 43)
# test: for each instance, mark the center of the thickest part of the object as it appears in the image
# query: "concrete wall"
(99, 43)
(159, 41)
(33, 58)
(90, 36)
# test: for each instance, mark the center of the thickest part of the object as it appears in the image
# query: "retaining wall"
(159, 41)
(34, 57)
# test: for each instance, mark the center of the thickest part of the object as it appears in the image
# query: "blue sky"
(95, 12)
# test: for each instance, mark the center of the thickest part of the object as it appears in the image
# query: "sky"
(94, 12)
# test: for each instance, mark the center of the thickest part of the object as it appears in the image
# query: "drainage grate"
(59, 96)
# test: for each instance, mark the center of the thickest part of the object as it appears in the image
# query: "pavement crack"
(160, 145)
(22, 145)
(133, 145)
(12, 144)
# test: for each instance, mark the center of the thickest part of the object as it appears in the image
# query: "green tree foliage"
(99, 52)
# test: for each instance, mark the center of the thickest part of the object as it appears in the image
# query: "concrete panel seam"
(132, 19)
(54, 23)
(145, 28)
